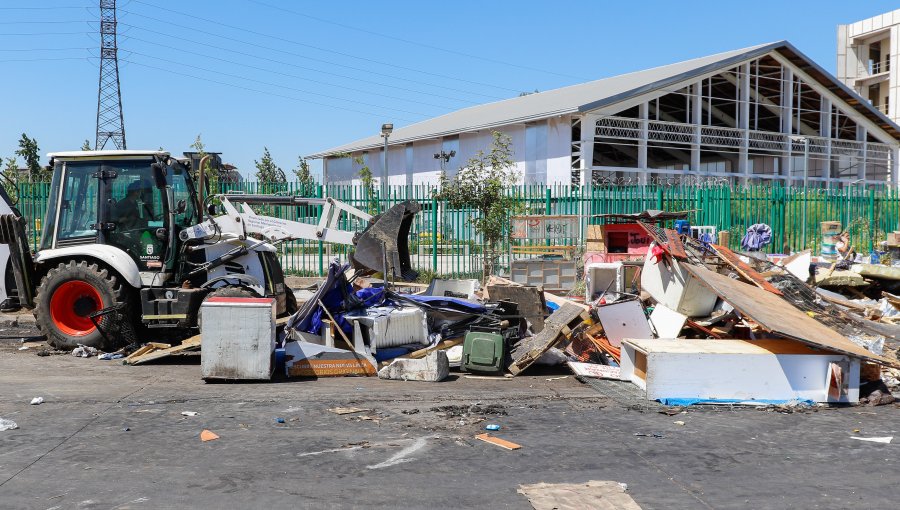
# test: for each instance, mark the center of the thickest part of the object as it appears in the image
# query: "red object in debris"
(657, 253)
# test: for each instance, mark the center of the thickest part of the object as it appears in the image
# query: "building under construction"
(762, 114)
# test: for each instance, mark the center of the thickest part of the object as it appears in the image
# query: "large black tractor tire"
(69, 294)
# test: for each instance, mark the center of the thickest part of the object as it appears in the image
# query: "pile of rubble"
(689, 322)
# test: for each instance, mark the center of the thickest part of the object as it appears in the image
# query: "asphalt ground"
(112, 436)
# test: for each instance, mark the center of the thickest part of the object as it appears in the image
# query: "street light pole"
(386, 130)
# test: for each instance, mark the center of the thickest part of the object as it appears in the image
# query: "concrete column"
(325, 170)
(696, 113)
(895, 165)
(825, 130)
(744, 123)
(642, 143)
(588, 132)
(787, 121)
(893, 81)
(861, 135)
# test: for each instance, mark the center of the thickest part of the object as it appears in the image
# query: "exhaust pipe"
(384, 245)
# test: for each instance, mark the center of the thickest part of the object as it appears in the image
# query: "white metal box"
(392, 327)
(675, 288)
(738, 369)
(604, 276)
(238, 338)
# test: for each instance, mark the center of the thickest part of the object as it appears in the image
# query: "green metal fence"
(443, 241)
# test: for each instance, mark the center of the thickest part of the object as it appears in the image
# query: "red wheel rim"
(71, 305)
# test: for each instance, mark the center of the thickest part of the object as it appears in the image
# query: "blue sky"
(303, 76)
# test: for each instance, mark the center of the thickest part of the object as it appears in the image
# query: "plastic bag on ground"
(7, 424)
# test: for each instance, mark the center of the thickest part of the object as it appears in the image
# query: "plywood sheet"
(624, 320)
(777, 315)
(743, 268)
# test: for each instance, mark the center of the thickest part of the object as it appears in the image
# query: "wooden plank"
(187, 345)
(676, 248)
(136, 354)
(556, 327)
(502, 443)
(445, 344)
(743, 268)
(158, 345)
(779, 316)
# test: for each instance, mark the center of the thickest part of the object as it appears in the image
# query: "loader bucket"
(384, 245)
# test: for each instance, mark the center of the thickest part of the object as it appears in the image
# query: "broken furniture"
(464, 289)
(557, 327)
(554, 275)
(728, 370)
(238, 338)
(624, 319)
(669, 282)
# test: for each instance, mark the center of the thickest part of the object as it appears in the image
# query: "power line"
(414, 43)
(270, 84)
(44, 33)
(289, 41)
(42, 49)
(330, 84)
(43, 8)
(42, 59)
(286, 52)
(263, 92)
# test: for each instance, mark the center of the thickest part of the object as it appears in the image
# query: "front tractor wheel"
(67, 296)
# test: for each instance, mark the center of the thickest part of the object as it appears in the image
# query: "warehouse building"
(762, 114)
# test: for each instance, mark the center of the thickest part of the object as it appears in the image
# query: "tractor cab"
(120, 199)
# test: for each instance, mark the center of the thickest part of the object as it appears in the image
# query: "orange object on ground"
(502, 443)
(208, 435)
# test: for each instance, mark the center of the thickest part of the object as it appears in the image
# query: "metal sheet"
(780, 316)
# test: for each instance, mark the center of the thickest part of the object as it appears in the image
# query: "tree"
(306, 184)
(368, 182)
(10, 177)
(479, 185)
(30, 152)
(86, 146)
(267, 172)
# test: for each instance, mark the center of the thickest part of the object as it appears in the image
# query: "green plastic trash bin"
(484, 352)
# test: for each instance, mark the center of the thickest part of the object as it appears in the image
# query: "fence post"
(660, 199)
(319, 194)
(548, 209)
(434, 234)
(872, 228)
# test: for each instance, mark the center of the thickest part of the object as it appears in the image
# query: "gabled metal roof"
(595, 94)
(105, 154)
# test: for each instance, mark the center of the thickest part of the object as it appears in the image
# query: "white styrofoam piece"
(622, 320)
(453, 288)
(733, 369)
(672, 286)
(667, 322)
(601, 276)
(238, 339)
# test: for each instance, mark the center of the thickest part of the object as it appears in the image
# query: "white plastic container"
(238, 338)
(675, 288)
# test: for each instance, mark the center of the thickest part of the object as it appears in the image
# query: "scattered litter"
(126, 429)
(37, 401)
(506, 377)
(403, 455)
(189, 413)
(678, 422)
(347, 410)
(492, 426)
(23, 348)
(886, 439)
(642, 434)
(502, 443)
(279, 420)
(208, 435)
(110, 355)
(7, 424)
(557, 378)
(410, 411)
(84, 351)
